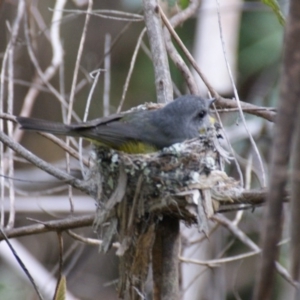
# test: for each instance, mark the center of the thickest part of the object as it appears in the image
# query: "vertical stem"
(166, 246)
(10, 105)
(280, 156)
(107, 75)
(165, 260)
(163, 83)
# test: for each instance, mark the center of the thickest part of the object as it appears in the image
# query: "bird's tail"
(45, 126)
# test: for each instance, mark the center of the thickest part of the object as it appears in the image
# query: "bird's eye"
(202, 114)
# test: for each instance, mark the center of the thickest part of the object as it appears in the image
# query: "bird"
(136, 132)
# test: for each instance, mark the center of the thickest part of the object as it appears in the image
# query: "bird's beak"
(212, 120)
(211, 101)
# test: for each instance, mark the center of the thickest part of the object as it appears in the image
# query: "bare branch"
(107, 75)
(247, 241)
(84, 187)
(288, 113)
(163, 81)
(78, 58)
(252, 109)
(132, 63)
(187, 53)
(109, 14)
(53, 225)
(89, 241)
(237, 98)
(52, 138)
(4, 236)
(65, 147)
(10, 105)
(216, 262)
(44, 77)
(177, 59)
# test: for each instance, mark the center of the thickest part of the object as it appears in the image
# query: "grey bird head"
(184, 118)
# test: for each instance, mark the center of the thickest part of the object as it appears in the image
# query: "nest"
(184, 181)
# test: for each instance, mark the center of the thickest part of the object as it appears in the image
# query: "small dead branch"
(176, 20)
(53, 225)
(20, 262)
(86, 187)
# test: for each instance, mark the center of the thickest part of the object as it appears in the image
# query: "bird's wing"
(96, 122)
(112, 134)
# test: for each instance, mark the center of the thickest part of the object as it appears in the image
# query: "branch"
(247, 241)
(89, 241)
(82, 186)
(65, 147)
(163, 83)
(175, 56)
(56, 61)
(21, 264)
(50, 137)
(78, 58)
(132, 64)
(221, 102)
(288, 113)
(53, 225)
(187, 53)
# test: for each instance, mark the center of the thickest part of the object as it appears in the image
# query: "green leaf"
(276, 9)
(61, 290)
(184, 3)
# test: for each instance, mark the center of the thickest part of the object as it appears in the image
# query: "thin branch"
(250, 110)
(221, 102)
(89, 241)
(101, 13)
(187, 53)
(163, 83)
(107, 76)
(147, 51)
(236, 232)
(65, 147)
(265, 113)
(77, 64)
(5, 237)
(83, 186)
(84, 81)
(238, 167)
(52, 138)
(40, 21)
(10, 105)
(263, 174)
(29, 84)
(86, 113)
(177, 59)
(216, 262)
(247, 241)
(132, 64)
(60, 262)
(40, 193)
(53, 225)
(44, 77)
(73, 88)
(2, 163)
